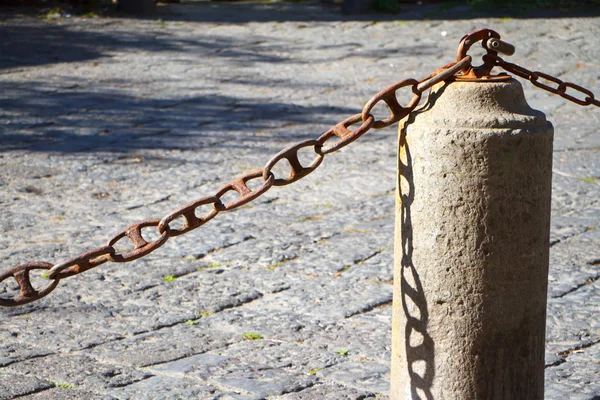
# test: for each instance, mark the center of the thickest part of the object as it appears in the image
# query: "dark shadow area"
(33, 44)
(36, 45)
(310, 11)
(79, 121)
(419, 358)
(29, 44)
(79, 116)
(324, 11)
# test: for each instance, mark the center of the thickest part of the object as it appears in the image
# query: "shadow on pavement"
(79, 121)
(29, 43)
(311, 11)
(32, 45)
(327, 11)
(41, 116)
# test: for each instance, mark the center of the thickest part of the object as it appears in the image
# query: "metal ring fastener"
(490, 41)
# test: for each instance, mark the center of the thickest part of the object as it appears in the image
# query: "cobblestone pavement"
(109, 121)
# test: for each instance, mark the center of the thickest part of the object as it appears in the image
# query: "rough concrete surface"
(108, 121)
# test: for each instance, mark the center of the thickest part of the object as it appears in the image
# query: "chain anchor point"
(490, 41)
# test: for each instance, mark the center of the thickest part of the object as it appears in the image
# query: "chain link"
(291, 155)
(28, 294)
(345, 131)
(560, 88)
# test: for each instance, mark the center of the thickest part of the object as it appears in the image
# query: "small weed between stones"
(342, 352)
(314, 371)
(205, 314)
(190, 322)
(62, 385)
(169, 278)
(52, 14)
(272, 267)
(313, 217)
(252, 336)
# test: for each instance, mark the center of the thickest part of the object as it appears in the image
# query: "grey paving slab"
(167, 387)
(164, 345)
(577, 377)
(252, 380)
(330, 391)
(108, 121)
(581, 329)
(77, 370)
(365, 376)
(14, 385)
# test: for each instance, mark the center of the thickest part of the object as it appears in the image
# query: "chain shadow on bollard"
(419, 347)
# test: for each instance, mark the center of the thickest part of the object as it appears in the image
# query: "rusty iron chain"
(560, 88)
(334, 139)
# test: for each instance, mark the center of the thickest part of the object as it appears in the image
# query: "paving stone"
(330, 391)
(576, 378)
(299, 356)
(14, 352)
(237, 374)
(66, 393)
(571, 321)
(266, 382)
(81, 325)
(162, 346)
(367, 337)
(13, 385)
(365, 376)
(576, 267)
(166, 387)
(77, 370)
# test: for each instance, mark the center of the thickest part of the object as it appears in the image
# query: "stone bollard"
(472, 246)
